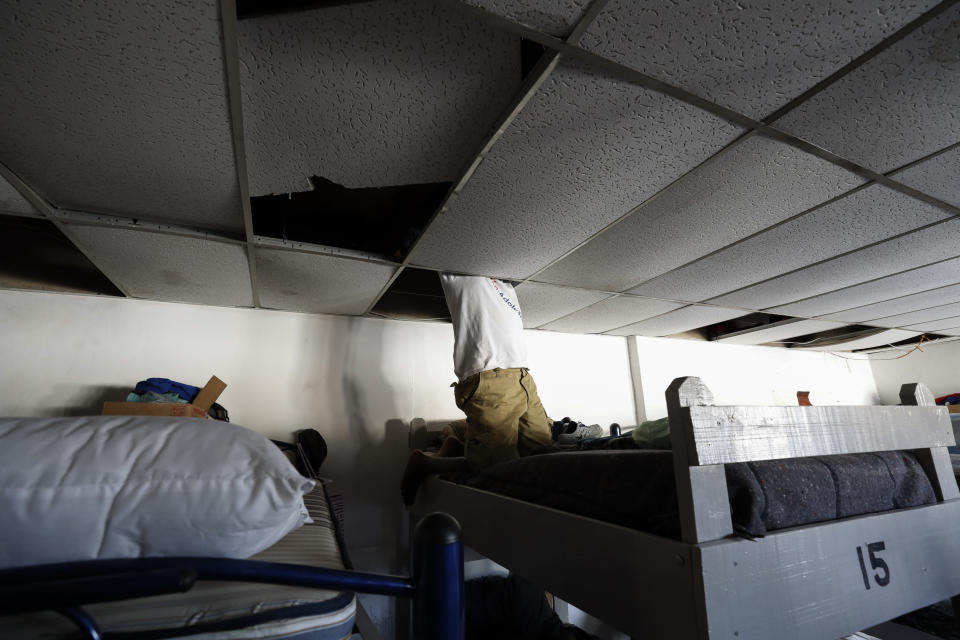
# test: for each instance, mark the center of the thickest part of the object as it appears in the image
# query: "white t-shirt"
(487, 325)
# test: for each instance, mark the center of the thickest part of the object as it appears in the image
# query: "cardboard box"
(196, 409)
(953, 408)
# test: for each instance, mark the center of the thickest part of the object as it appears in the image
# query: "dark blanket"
(636, 488)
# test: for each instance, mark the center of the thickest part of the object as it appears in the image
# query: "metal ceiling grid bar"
(890, 275)
(689, 304)
(277, 244)
(87, 219)
(755, 127)
(649, 201)
(531, 84)
(879, 178)
(47, 212)
(913, 163)
(943, 286)
(884, 180)
(20, 214)
(831, 258)
(862, 59)
(912, 327)
(629, 295)
(231, 57)
(582, 309)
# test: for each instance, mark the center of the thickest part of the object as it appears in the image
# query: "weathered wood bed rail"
(824, 580)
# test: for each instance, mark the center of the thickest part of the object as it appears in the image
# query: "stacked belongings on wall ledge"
(165, 397)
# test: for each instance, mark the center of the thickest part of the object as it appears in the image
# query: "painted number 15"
(882, 577)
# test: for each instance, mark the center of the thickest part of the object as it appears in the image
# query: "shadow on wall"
(84, 400)
(378, 458)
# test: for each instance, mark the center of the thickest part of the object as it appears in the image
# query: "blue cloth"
(150, 396)
(164, 385)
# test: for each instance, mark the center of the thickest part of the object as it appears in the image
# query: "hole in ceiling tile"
(416, 294)
(530, 53)
(381, 220)
(257, 8)
(36, 255)
(734, 325)
(831, 337)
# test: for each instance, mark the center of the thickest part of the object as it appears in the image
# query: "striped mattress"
(215, 610)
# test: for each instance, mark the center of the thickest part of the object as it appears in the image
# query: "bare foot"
(417, 469)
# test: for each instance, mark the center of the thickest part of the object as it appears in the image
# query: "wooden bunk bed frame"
(824, 580)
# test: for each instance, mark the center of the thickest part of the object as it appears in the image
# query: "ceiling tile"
(120, 108)
(939, 176)
(924, 247)
(867, 216)
(753, 56)
(900, 106)
(944, 324)
(610, 314)
(780, 331)
(166, 267)
(685, 319)
(953, 331)
(542, 303)
(902, 284)
(555, 17)
(877, 340)
(756, 184)
(912, 318)
(904, 304)
(370, 94)
(12, 202)
(314, 283)
(586, 149)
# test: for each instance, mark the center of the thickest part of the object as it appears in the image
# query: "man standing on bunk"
(505, 418)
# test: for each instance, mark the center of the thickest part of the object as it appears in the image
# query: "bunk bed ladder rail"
(825, 576)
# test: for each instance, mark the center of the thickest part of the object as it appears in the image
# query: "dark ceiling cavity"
(34, 254)
(530, 53)
(385, 221)
(831, 337)
(416, 294)
(257, 8)
(750, 321)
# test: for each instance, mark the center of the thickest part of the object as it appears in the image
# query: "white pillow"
(129, 486)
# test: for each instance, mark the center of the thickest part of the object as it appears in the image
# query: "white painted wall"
(739, 374)
(937, 366)
(358, 381)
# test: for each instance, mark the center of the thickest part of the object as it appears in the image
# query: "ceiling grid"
(655, 156)
(228, 21)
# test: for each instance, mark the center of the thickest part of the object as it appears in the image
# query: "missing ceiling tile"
(36, 255)
(416, 294)
(735, 325)
(257, 8)
(385, 221)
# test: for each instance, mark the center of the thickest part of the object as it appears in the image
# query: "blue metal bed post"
(438, 602)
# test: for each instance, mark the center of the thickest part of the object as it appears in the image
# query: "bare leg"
(421, 465)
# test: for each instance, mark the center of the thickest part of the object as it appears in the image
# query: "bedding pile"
(636, 488)
(131, 486)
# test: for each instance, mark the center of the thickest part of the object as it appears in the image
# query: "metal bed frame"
(435, 585)
(824, 580)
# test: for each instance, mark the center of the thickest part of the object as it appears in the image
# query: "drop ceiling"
(638, 168)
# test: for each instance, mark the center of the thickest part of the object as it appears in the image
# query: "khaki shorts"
(505, 418)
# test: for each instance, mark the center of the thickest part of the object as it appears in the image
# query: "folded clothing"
(152, 396)
(636, 488)
(165, 385)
